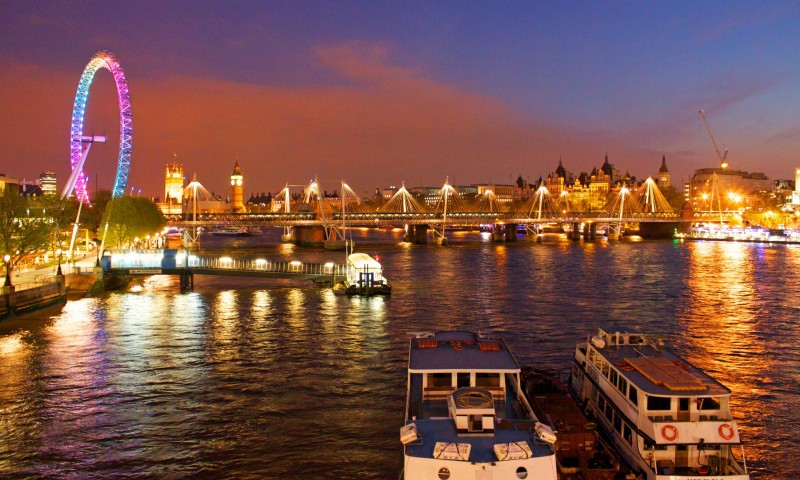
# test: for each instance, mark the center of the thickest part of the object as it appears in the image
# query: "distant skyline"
(377, 93)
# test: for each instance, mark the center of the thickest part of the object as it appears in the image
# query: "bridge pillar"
(497, 233)
(615, 231)
(309, 236)
(421, 234)
(187, 281)
(575, 234)
(408, 235)
(511, 232)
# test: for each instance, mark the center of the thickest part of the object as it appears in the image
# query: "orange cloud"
(384, 124)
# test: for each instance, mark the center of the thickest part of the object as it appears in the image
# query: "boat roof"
(361, 260)
(460, 351)
(653, 368)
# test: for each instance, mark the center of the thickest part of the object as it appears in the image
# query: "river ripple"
(247, 379)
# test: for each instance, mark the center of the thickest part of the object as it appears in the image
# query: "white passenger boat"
(466, 414)
(666, 417)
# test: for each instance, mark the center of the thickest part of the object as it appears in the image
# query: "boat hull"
(537, 468)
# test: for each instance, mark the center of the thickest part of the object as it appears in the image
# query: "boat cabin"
(365, 276)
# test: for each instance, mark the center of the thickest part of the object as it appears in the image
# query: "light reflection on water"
(274, 380)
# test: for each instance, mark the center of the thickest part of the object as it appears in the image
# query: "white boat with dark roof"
(466, 414)
(665, 416)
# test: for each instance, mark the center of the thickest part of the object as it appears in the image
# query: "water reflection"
(244, 379)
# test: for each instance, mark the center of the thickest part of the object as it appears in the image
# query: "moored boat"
(665, 416)
(467, 415)
(365, 276)
(230, 232)
(580, 452)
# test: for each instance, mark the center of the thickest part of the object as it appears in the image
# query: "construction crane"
(723, 163)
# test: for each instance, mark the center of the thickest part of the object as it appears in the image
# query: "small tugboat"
(580, 452)
(666, 417)
(365, 276)
(467, 415)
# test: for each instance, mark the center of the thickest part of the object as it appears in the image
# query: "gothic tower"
(237, 189)
(663, 174)
(173, 183)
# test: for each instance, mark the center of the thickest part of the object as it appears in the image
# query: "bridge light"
(329, 265)
(295, 263)
(261, 261)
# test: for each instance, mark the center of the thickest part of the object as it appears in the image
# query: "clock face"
(233, 182)
(239, 182)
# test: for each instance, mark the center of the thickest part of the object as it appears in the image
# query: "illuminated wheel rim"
(107, 60)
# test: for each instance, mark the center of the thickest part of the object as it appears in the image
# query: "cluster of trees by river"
(32, 227)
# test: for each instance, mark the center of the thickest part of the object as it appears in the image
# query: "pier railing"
(266, 266)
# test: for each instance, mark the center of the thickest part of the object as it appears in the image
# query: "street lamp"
(58, 272)
(7, 259)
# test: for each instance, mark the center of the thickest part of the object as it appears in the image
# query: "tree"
(131, 217)
(25, 226)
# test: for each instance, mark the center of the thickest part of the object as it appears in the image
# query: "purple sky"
(376, 93)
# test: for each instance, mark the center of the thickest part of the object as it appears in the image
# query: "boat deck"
(435, 425)
(431, 431)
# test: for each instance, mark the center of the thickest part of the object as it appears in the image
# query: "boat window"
(594, 393)
(463, 380)
(709, 404)
(613, 377)
(601, 403)
(633, 395)
(487, 380)
(591, 356)
(609, 412)
(440, 380)
(605, 368)
(627, 434)
(622, 385)
(659, 403)
(618, 424)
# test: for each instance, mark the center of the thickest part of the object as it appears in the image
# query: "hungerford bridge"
(318, 219)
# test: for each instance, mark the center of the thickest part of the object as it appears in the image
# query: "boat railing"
(267, 266)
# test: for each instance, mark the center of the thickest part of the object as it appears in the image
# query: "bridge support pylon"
(511, 232)
(575, 233)
(309, 236)
(187, 281)
(497, 233)
(589, 232)
(420, 234)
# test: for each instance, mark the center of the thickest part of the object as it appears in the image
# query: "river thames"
(243, 378)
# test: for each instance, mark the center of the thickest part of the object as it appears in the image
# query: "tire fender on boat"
(670, 432)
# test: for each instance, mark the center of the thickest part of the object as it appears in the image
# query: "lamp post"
(7, 260)
(58, 272)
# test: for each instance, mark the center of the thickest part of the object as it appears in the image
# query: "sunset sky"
(377, 93)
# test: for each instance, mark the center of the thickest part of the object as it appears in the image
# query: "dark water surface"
(247, 379)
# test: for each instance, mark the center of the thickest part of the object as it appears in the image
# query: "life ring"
(670, 433)
(726, 431)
